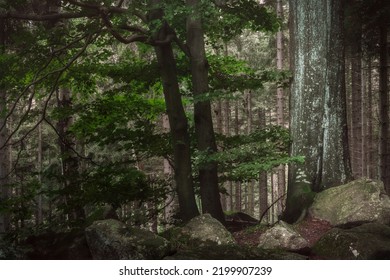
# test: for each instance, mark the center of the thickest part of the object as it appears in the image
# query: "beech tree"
(318, 106)
(208, 173)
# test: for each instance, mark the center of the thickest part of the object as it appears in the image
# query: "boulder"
(355, 203)
(282, 236)
(113, 240)
(205, 228)
(369, 241)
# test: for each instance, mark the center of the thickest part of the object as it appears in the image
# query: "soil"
(310, 228)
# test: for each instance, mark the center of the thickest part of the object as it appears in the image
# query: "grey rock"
(369, 241)
(205, 228)
(282, 236)
(355, 203)
(112, 239)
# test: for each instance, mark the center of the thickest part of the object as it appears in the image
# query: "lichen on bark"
(317, 103)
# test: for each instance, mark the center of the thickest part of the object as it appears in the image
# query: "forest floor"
(310, 228)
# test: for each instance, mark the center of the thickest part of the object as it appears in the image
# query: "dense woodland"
(157, 111)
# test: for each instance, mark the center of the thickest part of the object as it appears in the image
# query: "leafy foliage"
(242, 157)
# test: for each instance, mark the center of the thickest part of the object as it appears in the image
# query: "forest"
(154, 113)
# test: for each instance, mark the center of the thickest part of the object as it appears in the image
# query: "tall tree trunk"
(356, 118)
(250, 184)
(238, 185)
(4, 162)
(280, 102)
(208, 172)
(39, 214)
(177, 118)
(370, 131)
(384, 129)
(227, 115)
(318, 109)
(263, 190)
(4, 167)
(70, 161)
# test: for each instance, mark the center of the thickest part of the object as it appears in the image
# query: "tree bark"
(4, 162)
(357, 123)
(208, 172)
(4, 168)
(384, 129)
(263, 190)
(318, 106)
(370, 131)
(229, 198)
(70, 161)
(177, 118)
(280, 102)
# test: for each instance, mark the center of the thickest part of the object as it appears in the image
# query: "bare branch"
(119, 37)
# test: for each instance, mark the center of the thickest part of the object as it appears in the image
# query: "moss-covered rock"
(112, 239)
(357, 202)
(366, 242)
(282, 236)
(205, 228)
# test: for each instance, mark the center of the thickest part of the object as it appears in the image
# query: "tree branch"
(119, 37)
(53, 89)
(36, 80)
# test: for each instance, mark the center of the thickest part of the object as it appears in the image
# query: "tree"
(384, 106)
(280, 101)
(69, 159)
(208, 172)
(4, 163)
(177, 117)
(318, 107)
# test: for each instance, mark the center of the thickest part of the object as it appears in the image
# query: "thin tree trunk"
(70, 161)
(4, 167)
(384, 108)
(229, 198)
(280, 101)
(250, 184)
(39, 219)
(263, 191)
(238, 185)
(177, 118)
(356, 68)
(364, 161)
(370, 133)
(208, 173)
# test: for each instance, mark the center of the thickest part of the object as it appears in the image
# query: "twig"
(269, 207)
